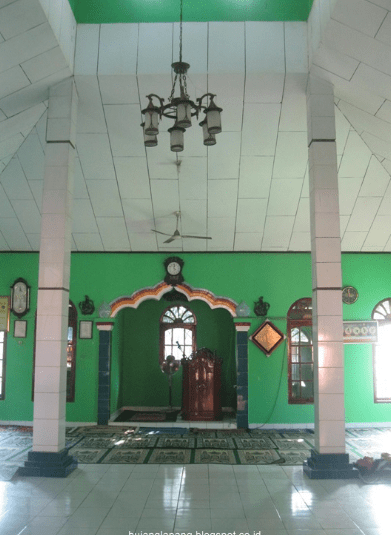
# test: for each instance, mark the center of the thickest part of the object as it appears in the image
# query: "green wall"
(110, 11)
(281, 278)
(142, 381)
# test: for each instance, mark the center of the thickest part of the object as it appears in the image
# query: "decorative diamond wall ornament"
(267, 337)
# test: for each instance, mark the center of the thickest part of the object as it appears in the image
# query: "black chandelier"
(181, 109)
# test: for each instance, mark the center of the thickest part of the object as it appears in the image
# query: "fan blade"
(169, 240)
(198, 237)
(158, 232)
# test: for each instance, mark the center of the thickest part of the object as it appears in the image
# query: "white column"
(326, 270)
(54, 271)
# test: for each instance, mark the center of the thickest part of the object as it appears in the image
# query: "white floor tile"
(116, 500)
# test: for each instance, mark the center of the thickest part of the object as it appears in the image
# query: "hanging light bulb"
(176, 138)
(209, 139)
(213, 117)
(183, 114)
(151, 125)
(149, 141)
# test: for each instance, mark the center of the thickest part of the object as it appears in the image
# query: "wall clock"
(20, 297)
(349, 295)
(173, 266)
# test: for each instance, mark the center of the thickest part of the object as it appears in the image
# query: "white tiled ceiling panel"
(250, 191)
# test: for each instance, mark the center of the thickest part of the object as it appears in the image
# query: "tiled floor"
(119, 500)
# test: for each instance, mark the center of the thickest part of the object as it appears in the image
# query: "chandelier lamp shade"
(181, 110)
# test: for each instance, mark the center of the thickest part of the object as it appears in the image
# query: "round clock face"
(173, 268)
(349, 295)
(20, 297)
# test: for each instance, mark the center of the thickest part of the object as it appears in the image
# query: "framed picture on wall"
(20, 328)
(4, 312)
(85, 329)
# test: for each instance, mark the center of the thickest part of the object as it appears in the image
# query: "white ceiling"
(249, 192)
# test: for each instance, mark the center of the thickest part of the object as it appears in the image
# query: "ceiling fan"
(177, 235)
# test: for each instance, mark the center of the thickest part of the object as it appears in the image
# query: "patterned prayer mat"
(125, 456)
(126, 444)
(214, 457)
(174, 456)
(216, 443)
(176, 442)
(260, 457)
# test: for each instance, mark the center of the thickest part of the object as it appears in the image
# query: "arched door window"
(177, 333)
(382, 352)
(300, 357)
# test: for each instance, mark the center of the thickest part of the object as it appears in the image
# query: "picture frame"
(85, 329)
(4, 313)
(360, 332)
(20, 329)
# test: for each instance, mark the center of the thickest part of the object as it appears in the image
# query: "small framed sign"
(360, 332)
(4, 313)
(85, 329)
(20, 328)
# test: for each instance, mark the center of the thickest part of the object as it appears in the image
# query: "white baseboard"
(368, 424)
(30, 424)
(281, 426)
(350, 425)
(16, 422)
(80, 424)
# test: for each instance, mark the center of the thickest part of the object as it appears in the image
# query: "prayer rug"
(160, 456)
(291, 457)
(291, 444)
(126, 456)
(87, 456)
(176, 442)
(209, 456)
(264, 443)
(216, 443)
(136, 442)
(98, 442)
(203, 434)
(259, 457)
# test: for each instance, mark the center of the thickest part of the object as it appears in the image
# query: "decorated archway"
(156, 292)
(214, 302)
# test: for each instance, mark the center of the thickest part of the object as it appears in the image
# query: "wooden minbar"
(201, 386)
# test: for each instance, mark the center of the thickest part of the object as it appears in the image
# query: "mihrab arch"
(156, 292)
